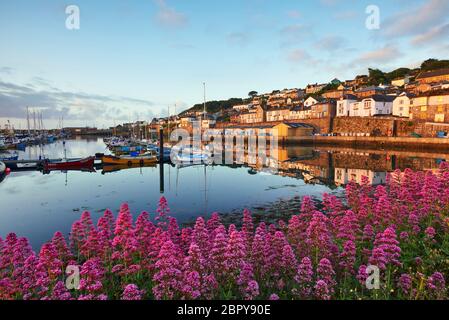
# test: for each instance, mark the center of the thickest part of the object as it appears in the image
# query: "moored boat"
(78, 164)
(141, 160)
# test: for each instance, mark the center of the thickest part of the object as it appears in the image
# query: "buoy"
(8, 171)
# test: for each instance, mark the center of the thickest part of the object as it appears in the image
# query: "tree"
(252, 94)
(434, 64)
(376, 76)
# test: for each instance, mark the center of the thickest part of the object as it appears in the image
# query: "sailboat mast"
(28, 120)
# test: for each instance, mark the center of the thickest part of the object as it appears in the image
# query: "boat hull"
(129, 161)
(86, 164)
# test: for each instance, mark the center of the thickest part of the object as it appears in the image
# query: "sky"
(139, 59)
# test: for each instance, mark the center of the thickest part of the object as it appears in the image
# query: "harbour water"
(35, 205)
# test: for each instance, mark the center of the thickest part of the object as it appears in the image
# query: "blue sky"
(132, 59)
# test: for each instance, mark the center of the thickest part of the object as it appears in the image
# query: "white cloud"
(168, 16)
(416, 20)
(298, 55)
(434, 34)
(381, 56)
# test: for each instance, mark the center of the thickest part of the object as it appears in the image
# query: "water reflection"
(37, 205)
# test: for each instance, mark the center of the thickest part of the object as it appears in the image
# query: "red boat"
(81, 164)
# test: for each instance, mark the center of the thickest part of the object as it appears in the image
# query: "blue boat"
(9, 157)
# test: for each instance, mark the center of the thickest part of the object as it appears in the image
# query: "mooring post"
(161, 160)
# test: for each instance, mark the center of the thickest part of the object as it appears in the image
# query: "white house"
(310, 101)
(241, 107)
(343, 105)
(401, 81)
(372, 106)
(401, 105)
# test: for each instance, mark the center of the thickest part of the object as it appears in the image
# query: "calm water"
(36, 205)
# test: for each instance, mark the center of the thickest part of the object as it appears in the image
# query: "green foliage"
(434, 64)
(216, 106)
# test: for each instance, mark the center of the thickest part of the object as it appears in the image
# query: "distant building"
(372, 106)
(277, 114)
(432, 106)
(241, 107)
(401, 105)
(314, 88)
(369, 91)
(343, 105)
(433, 76)
(401, 81)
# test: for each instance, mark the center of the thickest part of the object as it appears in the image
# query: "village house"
(241, 107)
(372, 106)
(296, 112)
(310, 101)
(254, 115)
(432, 106)
(277, 114)
(343, 105)
(314, 88)
(323, 109)
(433, 76)
(401, 81)
(369, 91)
(401, 105)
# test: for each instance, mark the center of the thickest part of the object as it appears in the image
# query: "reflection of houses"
(344, 176)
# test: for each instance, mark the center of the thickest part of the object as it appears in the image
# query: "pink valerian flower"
(201, 237)
(318, 236)
(92, 272)
(235, 253)
(326, 273)
(258, 251)
(186, 238)
(191, 285)
(61, 246)
(289, 263)
(168, 277)
(212, 224)
(273, 297)
(362, 275)
(348, 227)
(105, 227)
(49, 261)
(296, 232)
(132, 292)
(386, 246)
(60, 292)
(321, 290)
(248, 286)
(405, 283)
(430, 233)
(123, 228)
(195, 261)
(143, 232)
(304, 278)
(218, 261)
(348, 257)
(383, 213)
(173, 231)
(436, 286)
(163, 212)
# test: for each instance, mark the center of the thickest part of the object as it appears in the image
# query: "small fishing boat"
(75, 164)
(144, 159)
(9, 156)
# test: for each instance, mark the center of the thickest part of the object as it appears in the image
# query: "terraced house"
(432, 106)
